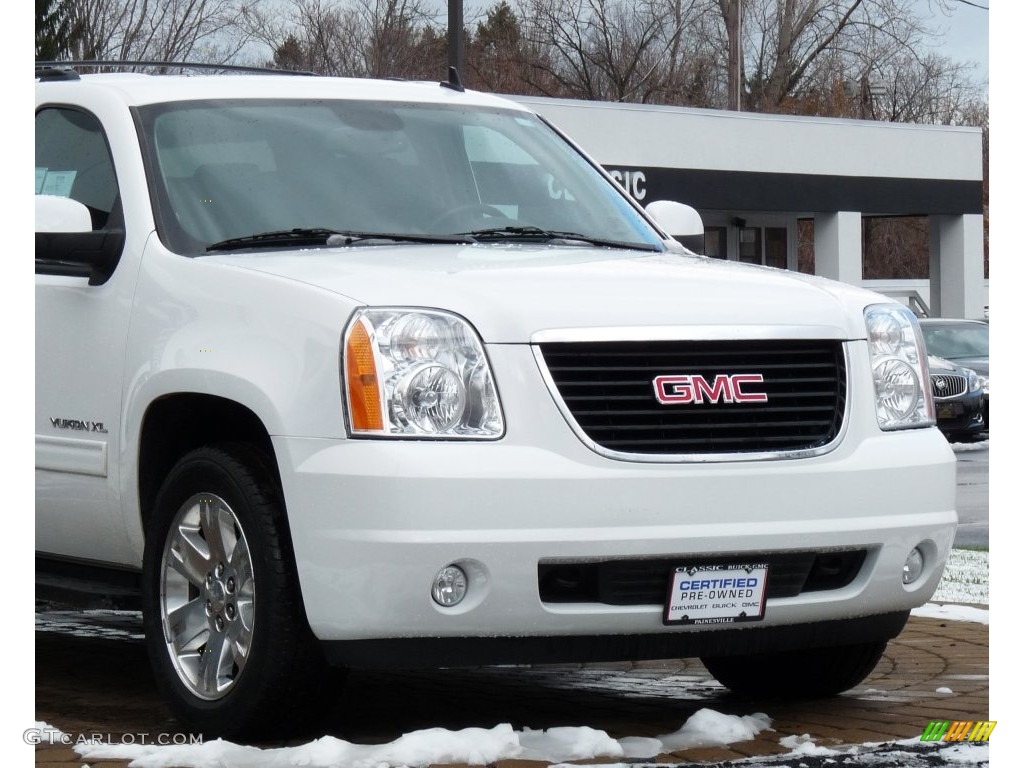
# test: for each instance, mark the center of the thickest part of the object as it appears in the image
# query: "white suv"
(390, 373)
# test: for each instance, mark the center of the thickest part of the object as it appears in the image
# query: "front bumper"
(432, 652)
(373, 521)
(962, 416)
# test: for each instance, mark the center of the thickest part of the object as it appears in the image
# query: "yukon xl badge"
(697, 390)
(81, 426)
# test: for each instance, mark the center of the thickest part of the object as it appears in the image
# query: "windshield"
(956, 341)
(233, 169)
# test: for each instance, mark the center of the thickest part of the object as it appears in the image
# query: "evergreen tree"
(55, 29)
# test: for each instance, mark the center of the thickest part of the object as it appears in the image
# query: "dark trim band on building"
(789, 192)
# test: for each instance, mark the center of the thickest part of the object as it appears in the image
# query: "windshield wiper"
(530, 233)
(333, 237)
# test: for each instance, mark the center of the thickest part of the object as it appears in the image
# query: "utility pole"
(456, 49)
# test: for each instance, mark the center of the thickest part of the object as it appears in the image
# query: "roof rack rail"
(74, 66)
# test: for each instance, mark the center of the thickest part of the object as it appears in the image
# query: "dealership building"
(754, 177)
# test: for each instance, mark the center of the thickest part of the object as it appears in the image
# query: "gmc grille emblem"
(696, 390)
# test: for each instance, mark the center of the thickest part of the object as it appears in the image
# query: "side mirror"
(679, 220)
(61, 214)
(66, 243)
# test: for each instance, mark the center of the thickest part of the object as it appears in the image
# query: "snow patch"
(561, 744)
(964, 579)
(708, 728)
(473, 746)
(981, 445)
(48, 734)
(965, 754)
(952, 612)
(805, 746)
(470, 746)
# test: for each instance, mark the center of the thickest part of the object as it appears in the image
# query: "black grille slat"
(646, 581)
(954, 385)
(608, 388)
(650, 396)
(736, 443)
(741, 425)
(725, 409)
(682, 368)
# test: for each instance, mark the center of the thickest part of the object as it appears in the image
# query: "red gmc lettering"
(712, 393)
(747, 397)
(695, 389)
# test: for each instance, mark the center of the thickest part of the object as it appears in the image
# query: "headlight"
(418, 373)
(973, 381)
(983, 380)
(899, 368)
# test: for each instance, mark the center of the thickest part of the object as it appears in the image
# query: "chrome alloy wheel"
(207, 596)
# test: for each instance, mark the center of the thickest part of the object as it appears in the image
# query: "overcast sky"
(966, 31)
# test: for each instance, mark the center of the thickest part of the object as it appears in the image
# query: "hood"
(938, 365)
(511, 292)
(976, 364)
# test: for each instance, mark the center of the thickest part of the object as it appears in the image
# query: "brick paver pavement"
(87, 686)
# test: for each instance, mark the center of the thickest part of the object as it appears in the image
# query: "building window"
(775, 247)
(715, 243)
(768, 246)
(750, 245)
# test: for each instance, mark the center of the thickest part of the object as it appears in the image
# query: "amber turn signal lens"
(363, 387)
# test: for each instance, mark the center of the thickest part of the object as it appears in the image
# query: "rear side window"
(73, 160)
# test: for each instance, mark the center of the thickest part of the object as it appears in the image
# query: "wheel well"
(177, 424)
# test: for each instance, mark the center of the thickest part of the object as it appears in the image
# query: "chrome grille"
(607, 388)
(946, 385)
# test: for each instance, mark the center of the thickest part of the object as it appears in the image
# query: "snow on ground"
(708, 728)
(965, 579)
(480, 746)
(964, 585)
(981, 445)
(473, 746)
(909, 753)
(952, 612)
(105, 623)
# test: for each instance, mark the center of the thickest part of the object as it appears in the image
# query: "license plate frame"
(729, 593)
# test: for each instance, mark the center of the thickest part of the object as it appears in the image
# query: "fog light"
(914, 566)
(450, 585)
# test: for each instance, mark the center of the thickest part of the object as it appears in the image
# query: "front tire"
(804, 674)
(225, 626)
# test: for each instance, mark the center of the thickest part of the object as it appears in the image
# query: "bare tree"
(603, 49)
(929, 89)
(732, 19)
(315, 36)
(161, 30)
(395, 32)
(360, 38)
(796, 46)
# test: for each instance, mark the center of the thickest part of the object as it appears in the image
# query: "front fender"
(268, 343)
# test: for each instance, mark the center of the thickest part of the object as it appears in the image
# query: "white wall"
(674, 137)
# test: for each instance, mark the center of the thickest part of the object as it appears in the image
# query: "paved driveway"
(95, 685)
